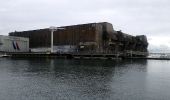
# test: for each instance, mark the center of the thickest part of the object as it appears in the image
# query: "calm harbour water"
(59, 79)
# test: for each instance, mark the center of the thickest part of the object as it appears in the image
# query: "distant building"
(85, 38)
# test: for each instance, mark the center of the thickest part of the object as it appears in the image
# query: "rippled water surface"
(59, 79)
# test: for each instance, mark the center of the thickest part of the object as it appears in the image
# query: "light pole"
(52, 29)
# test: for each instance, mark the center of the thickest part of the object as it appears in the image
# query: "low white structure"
(13, 44)
(65, 49)
(57, 49)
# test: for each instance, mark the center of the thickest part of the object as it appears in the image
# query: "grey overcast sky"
(135, 17)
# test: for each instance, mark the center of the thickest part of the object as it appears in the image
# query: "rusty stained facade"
(88, 38)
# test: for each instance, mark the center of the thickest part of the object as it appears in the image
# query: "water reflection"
(71, 79)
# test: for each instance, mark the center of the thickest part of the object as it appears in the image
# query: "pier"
(121, 55)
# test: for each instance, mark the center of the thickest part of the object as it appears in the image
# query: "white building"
(14, 44)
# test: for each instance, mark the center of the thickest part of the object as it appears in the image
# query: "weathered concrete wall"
(89, 38)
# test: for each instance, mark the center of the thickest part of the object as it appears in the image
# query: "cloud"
(149, 17)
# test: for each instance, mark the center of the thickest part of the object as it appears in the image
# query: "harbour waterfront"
(64, 79)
